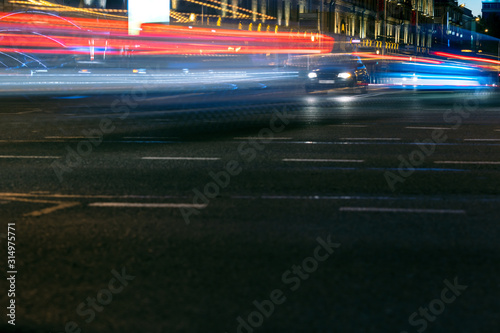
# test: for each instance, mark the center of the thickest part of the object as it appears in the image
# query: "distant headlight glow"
(344, 75)
(312, 75)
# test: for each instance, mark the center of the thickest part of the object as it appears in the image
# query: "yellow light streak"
(215, 7)
(244, 10)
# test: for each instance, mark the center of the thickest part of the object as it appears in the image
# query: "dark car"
(334, 71)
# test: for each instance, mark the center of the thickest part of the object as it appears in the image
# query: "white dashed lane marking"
(427, 128)
(349, 125)
(69, 137)
(468, 162)
(146, 205)
(32, 157)
(401, 210)
(371, 139)
(321, 160)
(258, 138)
(178, 158)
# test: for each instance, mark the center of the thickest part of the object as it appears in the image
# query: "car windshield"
(334, 59)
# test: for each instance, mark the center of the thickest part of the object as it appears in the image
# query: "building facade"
(401, 22)
(491, 17)
(454, 25)
(490, 8)
(396, 21)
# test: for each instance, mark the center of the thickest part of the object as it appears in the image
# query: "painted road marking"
(320, 160)
(29, 141)
(428, 128)
(371, 142)
(371, 139)
(481, 140)
(58, 195)
(182, 158)
(401, 210)
(151, 137)
(18, 156)
(146, 205)
(258, 138)
(349, 125)
(467, 162)
(57, 205)
(363, 197)
(69, 137)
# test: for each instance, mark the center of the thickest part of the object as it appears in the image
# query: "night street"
(248, 166)
(253, 207)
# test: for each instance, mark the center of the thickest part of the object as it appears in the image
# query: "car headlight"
(344, 75)
(312, 75)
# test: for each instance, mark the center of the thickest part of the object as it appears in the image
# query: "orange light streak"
(391, 57)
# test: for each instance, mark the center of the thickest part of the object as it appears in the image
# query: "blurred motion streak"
(373, 56)
(460, 57)
(42, 33)
(445, 75)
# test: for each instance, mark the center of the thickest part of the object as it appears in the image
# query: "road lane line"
(182, 158)
(29, 141)
(385, 169)
(80, 196)
(371, 139)
(151, 137)
(318, 197)
(19, 156)
(348, 125)
(467, 162)
(362, 197)
(60, 205)
(479, 140)
(428, 128)
(57, 205)
(142, 141)
(146, 205)
(258, 138)
(69, 137)
(372, 142)
(401, 210)
(320, 160)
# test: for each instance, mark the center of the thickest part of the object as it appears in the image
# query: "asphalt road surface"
(258, 209)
